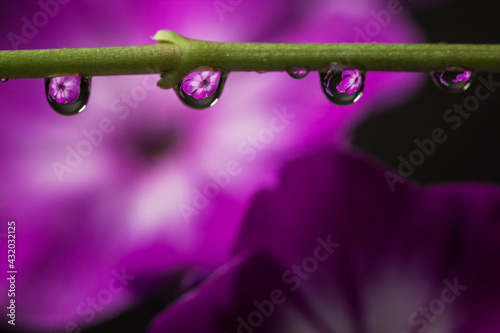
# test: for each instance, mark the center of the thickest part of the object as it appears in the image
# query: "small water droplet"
(297, 72)
(201, 90)
(453, 80)
(4, 80)
(343, 86)
(68, 95)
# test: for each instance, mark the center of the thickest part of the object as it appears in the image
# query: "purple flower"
(464, 77)
(351, 82)
(201, 85)
(65, 89)
(333, 249)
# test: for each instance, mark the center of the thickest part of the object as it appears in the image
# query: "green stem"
(174, 56)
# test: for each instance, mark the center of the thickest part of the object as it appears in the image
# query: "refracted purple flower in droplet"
(441, 79)
(65, 89)
(464, 77)
(201, 85)
(351, 82)
(300, 71)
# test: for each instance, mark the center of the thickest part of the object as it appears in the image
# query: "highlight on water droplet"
(68, 95)
(453, 80)
(297, 72)
(342, 86)
(201, 90)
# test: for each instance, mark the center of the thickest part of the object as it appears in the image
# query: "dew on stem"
(201, 90)
(297, 72)
(342, 86)
(453, 80)
(68, 95)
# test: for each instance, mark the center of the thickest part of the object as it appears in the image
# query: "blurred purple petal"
(360, 257)
(227, 296)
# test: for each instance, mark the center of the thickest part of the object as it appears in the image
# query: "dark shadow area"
(472, 145)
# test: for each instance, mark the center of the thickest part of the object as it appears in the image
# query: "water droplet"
(297, 72)
(453, 80)
(201, 90)
(68, 95)
(343, 86)
(4, 80)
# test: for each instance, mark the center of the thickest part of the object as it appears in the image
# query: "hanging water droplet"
(4, 80)
(68, 95)
(297, 72)
(343, 86)
(453, 80)
(201, 90)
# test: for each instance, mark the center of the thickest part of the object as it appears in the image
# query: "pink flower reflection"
(351, 82)
(201, 85)
(65, 89)
(464, 77)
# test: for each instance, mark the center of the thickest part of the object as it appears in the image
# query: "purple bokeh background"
(117, 188)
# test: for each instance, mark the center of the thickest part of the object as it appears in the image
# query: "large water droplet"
(453, 81)
(4, 80)
(343, 86)
(68, 95)
(201, 90)
(297, 72)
